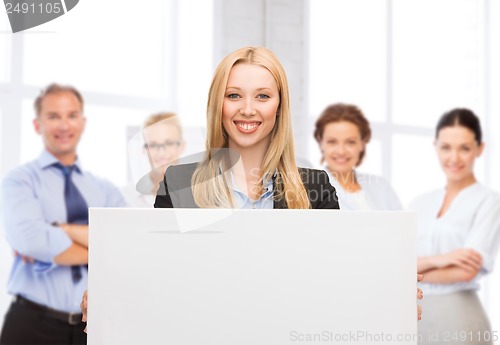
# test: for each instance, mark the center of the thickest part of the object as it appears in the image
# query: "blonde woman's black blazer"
(177, 192)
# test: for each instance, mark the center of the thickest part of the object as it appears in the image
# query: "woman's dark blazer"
(177, 192)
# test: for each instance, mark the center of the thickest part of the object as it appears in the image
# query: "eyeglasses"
(167, 145)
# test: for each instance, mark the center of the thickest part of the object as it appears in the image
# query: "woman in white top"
(342, 133)
(163, 145)
(458, 237)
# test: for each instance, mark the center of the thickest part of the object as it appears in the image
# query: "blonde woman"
(250, 157)
(163, 145)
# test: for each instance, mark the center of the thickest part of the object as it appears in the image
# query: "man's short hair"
(56, 88)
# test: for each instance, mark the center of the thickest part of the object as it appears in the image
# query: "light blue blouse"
(265, 201)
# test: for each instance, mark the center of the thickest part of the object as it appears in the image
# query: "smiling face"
(457, 151)
(164, 144)
(250, 107)
(61, 124)
(341, 146)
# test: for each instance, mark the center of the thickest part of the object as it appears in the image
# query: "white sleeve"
(485, 231)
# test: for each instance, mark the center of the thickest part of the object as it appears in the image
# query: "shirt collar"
(268, 184)
(272, 177)
(47, 159)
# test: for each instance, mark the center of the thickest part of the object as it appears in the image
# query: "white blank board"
(192, 276)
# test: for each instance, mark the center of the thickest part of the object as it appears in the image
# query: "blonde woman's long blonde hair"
(209, 187)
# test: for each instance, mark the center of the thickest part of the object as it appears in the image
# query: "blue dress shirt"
(265, 200)
(33, 201)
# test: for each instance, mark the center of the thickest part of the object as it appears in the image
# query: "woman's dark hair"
(344, 112)
(461, 117)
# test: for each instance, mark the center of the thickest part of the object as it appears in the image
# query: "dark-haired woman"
(458, 237)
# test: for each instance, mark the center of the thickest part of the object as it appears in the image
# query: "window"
(437, 65)
(136, 68)
(5, 44)
(125, 59)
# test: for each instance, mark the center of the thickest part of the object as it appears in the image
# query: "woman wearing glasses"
(163, 145)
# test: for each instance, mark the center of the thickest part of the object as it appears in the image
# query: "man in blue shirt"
(49, 274)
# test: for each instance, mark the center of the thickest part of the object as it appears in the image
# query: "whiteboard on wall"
(192, 276)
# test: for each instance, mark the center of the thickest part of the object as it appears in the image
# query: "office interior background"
(404, 63)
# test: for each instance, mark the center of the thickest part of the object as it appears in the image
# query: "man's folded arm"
(26, 229)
